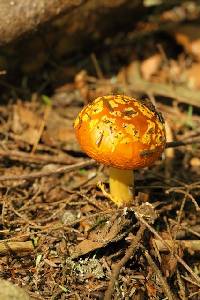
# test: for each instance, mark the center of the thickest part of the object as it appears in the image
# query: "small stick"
(181, 285)
(97, 66)
(60, 170)
(181, 143)
(35, 158)
(165, 286)
(16, 247)
(83, 164)
(159, 237)
(41, 129)
(193, 245)
(119, 265)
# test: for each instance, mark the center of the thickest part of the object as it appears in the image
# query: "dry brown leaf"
(25, 116)
(195, 162)
(103, 234)
(150, 66)
(29, 135)
(189, 37)
(168, 264)
(85, 247)
(16, 171)
(127, 74)
(151, 289)
(59, 130)
(192, 76)
(25, 123)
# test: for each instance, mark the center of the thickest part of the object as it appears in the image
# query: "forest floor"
(61, 238)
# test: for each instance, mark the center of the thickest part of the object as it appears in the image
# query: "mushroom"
(123, 133)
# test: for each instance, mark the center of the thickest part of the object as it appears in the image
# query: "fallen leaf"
(150, 66)
(189, 37)
(110, 231)
(58, 129)
(168, 264)
(192, 76)
(151, 289)
(85, 247)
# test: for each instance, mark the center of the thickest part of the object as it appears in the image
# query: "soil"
(61, 237)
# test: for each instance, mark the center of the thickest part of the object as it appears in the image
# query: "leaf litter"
(82, 246)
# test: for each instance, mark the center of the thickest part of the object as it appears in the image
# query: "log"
(19, 17)
(50, 29)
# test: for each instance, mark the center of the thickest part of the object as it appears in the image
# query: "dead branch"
(60, 170)
(65, 169)
(35, 158)
(159, 237)
(118, 266)
(182, 143)
(15, 247)
(178, 92)
(133, 82)
(163, 282)
(19, 17)
(193, 245)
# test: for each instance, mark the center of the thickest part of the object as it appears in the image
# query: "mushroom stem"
(121, 186)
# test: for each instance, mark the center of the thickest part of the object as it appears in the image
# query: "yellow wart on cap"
(113, 103)
(97, 107)
(85, 117)
(116, 113)
(130, 129)
(93, 123)
(126, 140)
(77, 122)
(143, 109)
(121, 100)
(109, 120)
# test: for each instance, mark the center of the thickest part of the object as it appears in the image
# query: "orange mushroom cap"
(121, 132)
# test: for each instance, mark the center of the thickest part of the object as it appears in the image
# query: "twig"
(193, 294)
(163, 282)
(178, 92)
(193, 245)
(47, 111)
(65, 169)
(181, 286)
(118, 266)
(97, 66)
(179, 259)
(181, 143)
(17, 247)
(190, 280)
(136, 83)
(60, 170)
(35, 158)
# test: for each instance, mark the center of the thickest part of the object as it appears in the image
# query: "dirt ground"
(61, 238)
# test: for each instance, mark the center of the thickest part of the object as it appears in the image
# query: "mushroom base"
(121, 186)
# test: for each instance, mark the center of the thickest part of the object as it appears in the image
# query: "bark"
(22, 16)
(58, 28)
(19, 17)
